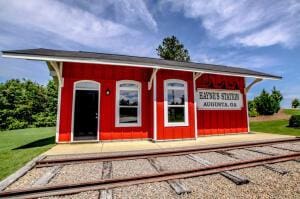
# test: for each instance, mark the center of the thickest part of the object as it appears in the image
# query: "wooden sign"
(215, 99)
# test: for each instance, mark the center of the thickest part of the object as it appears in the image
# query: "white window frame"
(117, 111)
(166, 105)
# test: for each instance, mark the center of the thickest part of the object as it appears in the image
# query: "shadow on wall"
(38, 143)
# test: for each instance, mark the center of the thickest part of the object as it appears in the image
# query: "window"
(86, 85)
(176, 106)
(128, 104)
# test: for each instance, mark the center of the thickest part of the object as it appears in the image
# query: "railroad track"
(160, 153)
(65, 189)
(162, 175)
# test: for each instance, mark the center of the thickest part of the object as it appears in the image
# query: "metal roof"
(114, 59)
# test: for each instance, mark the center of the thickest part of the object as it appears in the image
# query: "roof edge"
(13, 54)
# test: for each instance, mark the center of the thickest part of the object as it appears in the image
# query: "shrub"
(44, 120)
(295, 103)
(252, 109)
(294, 121)
(16, 124)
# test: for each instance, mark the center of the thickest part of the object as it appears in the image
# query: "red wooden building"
(117, 97)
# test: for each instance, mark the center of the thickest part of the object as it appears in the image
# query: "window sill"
(176, 124)
(127, 125)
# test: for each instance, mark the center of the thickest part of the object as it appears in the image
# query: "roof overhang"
(11, 54)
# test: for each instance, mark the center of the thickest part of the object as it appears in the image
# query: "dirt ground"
(277, 116)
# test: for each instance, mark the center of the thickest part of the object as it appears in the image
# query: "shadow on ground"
(38, 143)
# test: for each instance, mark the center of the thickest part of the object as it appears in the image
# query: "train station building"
(118, 97)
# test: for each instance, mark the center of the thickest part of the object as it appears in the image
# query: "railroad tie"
(45, 179)
(268, 166)
(276, 169)
(176, 185)
(227, 154)
(284, 148)
(234, 177)
(106, 174)
(259, 151)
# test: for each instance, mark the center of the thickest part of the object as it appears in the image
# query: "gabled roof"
(114, 59)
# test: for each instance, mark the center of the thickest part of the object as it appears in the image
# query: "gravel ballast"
(273, 185)
(263, 184)
(159, 190)
(130, 168)
(82, 195)
(78, 173)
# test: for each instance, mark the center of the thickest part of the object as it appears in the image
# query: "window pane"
(175, 97)
(87, 85)
(129, 85)
(176, 114)
(128, 115)
(176, 84)
(128, 98)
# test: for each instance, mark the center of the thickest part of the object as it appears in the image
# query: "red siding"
(181, 131)
(209, 121)
(212, 122)
(107, 77)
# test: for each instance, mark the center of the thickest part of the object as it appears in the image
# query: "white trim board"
(154, 109)
(73, 109)
(186, 112)
(139, 106)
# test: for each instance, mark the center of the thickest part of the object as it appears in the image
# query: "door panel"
(86, 115)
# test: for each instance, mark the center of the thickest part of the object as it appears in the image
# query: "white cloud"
(129, 13)
(235, 58)
(68, 22)
(133, 11)
(276, 34)
(251, 23)
(74, 24)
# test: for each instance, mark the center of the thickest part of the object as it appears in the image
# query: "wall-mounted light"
(107, 92)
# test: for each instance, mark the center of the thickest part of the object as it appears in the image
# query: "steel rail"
(159, 153)
(64, 189)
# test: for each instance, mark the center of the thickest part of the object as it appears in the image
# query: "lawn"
(276, 127)
(17, 147)
(292, 111)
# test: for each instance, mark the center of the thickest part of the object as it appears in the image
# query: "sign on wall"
(215, 99)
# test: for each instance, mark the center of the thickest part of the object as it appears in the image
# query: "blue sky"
(261, 35)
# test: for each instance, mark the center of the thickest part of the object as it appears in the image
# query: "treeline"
(266, 103)
(24, 104)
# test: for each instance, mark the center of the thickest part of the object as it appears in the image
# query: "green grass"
(17, 147)
(276, 127)
(292, 111)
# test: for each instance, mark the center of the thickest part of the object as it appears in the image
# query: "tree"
(268, 104)
(277, 96)
(172, 49)
(295, 103)
(52, 97)
(24, 103)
